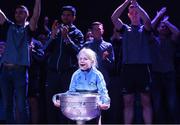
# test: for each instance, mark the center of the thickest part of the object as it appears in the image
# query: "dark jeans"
(164, 87)
(13, 85)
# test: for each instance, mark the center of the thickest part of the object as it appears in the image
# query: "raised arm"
(46, 23)
(35, 17)
(158, 17)
(144, 16)
(117, 13)
(174, 30)
(3, 17)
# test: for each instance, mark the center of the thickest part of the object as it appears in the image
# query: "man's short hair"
(96, 23)
(69, 8)
(24, 8)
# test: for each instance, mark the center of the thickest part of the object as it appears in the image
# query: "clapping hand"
(134, 2)
(165, 19)
(161, 12)
(64, 31)
(55, 29)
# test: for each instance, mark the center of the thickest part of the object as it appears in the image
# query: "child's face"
(84, 62)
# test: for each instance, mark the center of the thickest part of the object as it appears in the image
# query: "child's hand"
(104, 106)
(56, 100)
(57, 103)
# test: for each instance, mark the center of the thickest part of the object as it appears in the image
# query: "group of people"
(145, 55)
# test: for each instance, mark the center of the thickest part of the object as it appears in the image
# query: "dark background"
(93, 10)
(89, 11)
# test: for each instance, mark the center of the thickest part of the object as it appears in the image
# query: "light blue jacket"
(90, 81)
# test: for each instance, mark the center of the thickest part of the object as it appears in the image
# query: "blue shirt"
(17, 45)
(163, 53)
(92, 81)
(135, 45)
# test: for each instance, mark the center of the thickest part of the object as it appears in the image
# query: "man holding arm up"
(16, 59)
(136, 58)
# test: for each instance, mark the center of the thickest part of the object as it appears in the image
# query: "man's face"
(20, 15)
(67, 17)
(97, 31)
(163, 29)
(134, 16)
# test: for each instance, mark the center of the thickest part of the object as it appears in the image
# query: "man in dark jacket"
(62, 48)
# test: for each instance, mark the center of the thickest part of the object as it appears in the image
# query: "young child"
(88, 79)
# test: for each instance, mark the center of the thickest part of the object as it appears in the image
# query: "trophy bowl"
(78, 106)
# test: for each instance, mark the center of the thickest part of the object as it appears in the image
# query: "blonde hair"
(91, 55)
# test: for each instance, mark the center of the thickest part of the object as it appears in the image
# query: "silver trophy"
(80, 107)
